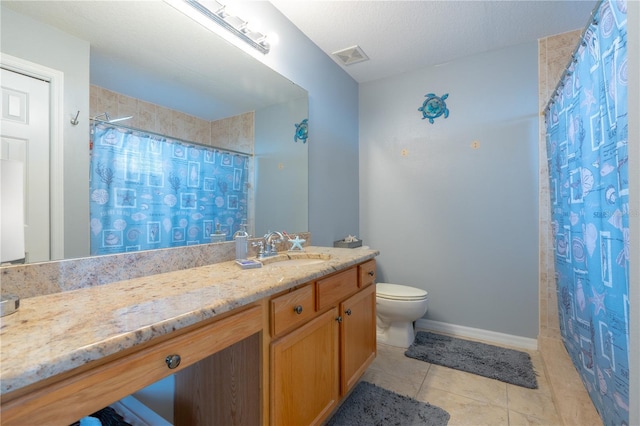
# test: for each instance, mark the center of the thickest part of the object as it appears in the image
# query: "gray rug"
(506, 365)
(370, 405)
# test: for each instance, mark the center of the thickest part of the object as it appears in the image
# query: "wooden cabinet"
(222, 389)
(335, 288)
(367, 273)
(231, 370)
(323, 354)
(357, 336)
(292, 309)
(305, 384)
(96, 386)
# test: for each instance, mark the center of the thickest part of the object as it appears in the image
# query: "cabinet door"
(305, 372)
(358, 336)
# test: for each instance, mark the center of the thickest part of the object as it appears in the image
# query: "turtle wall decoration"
(434, 106)
(302, 131)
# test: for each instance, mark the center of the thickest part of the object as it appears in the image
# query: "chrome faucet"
(270, 241)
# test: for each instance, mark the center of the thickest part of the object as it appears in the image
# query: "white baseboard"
(478, 334)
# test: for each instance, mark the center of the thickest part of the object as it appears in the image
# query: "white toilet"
(398, 306)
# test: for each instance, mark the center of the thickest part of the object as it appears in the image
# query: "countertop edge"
(16, 375)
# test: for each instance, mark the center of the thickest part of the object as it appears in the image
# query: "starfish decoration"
(598, 301)
(296, 243)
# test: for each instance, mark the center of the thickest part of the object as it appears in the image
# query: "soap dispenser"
(242, 242)
(218, 236)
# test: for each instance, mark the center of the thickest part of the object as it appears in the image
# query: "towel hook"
(74, 121)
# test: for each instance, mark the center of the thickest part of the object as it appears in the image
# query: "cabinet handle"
(172, 361)
(371, 273)
(298, 309)
(339, 319)
(348, 311)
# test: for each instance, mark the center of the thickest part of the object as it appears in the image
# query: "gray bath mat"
(506, 365)
(370, 405)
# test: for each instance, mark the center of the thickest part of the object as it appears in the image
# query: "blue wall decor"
(434, 106)
(149, 192)
(587, 148)
(302, 131)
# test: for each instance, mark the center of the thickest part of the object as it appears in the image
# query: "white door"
(24, 134)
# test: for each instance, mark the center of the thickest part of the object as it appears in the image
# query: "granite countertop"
(56, 333)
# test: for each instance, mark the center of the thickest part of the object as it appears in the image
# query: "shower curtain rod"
(134, 129)
(560, 84)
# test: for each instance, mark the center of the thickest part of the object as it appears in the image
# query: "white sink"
(294, 260)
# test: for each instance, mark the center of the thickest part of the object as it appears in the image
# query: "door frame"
(55, 78)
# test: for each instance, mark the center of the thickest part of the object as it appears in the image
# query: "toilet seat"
(399, 292)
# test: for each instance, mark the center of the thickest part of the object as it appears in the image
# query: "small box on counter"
(345, 244)
(248, 263)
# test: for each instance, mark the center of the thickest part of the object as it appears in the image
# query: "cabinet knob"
(339, 319)
(298, 309)
(172, 361)
(371, 273)
(348, 311)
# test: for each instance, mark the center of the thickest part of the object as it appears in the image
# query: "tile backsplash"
(40, 279)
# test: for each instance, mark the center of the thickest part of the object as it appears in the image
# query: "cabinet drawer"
(335, 288)
(367, 273)
(74, 397)
(292, 309)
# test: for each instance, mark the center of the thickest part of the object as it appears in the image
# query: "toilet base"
(399, 334)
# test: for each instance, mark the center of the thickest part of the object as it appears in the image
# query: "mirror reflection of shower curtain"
(587, 150)
(149, 192)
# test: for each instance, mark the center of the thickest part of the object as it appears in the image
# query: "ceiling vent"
(350, 55)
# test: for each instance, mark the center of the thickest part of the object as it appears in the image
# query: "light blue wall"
(281, 167)
(462, 223)
(333, 126)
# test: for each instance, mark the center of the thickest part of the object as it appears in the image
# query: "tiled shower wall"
(570, 397)
(554, 54)
(236, 133)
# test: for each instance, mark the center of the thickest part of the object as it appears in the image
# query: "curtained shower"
(587, 148)
(148, 191)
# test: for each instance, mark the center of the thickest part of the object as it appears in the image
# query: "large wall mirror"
(150, 52)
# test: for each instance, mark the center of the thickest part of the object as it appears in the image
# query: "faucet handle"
(260, 246)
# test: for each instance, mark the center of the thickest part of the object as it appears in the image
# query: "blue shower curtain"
(150, 192)
(588, 167)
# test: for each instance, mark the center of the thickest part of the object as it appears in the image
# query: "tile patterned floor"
(469, 399)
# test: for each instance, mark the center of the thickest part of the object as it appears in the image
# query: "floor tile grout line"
(424, 379)
(511, 412)
(507, 405)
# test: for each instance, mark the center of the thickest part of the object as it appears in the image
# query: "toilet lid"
(399, 292)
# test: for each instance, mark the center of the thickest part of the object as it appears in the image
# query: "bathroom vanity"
(282, 344)
(324, 337)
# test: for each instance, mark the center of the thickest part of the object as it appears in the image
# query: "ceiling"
(151, 51)
(130, 38)
(401, 36)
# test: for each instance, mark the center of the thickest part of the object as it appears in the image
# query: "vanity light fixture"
(215, 11)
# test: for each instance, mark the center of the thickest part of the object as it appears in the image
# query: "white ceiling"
(401, 36)
(150, 51)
